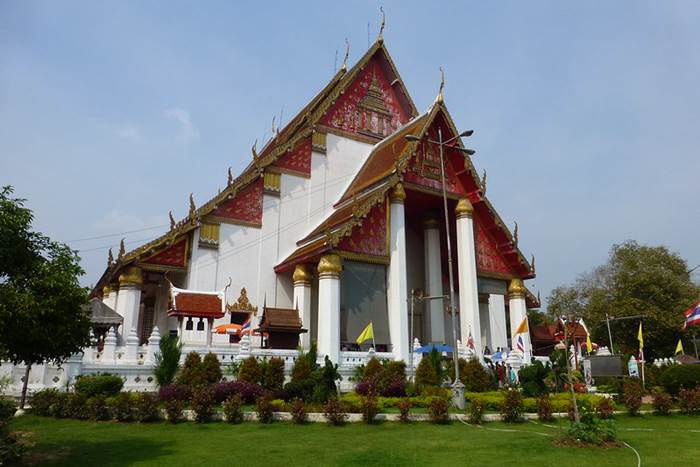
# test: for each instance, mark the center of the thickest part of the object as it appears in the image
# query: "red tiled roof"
(196, 304)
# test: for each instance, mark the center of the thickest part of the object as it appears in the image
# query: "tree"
(636, 280)
(42, 318)
(167, 360)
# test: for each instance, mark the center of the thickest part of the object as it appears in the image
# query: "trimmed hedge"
(677, 377)
(99, 385)
(493, 400)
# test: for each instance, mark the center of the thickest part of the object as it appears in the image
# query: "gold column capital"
(302, 275)
(398, 194)
(516, 289)
(131, 276)
(106, 290)
(330, 265)
(464, 208)
(431, 223)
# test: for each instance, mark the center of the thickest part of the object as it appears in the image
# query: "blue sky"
(586, 114)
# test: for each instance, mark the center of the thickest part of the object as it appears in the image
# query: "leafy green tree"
(636, 280)
(42, 318)
(167, 360)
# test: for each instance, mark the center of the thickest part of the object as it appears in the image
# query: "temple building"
(331, 226)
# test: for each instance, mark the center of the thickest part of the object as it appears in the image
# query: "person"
(487, 351)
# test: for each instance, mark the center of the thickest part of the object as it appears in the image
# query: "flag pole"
(373, 344)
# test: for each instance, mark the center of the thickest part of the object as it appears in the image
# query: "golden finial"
(255, 150)
(172, 220)
(483, 183)
(538, 298)
(515, 234)
(110, 258)
(275, 131)
(347, 54)
(230, 177)
(122, 250)
(380, 38)
(193, 208)
(442, 86)
(532, 263)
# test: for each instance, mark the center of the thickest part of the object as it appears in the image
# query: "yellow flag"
(679, 348)
(640, 337)
(589, 344)
(367, 334)
(522, 328)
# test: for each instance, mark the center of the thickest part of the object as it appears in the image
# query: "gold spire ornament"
(483, 184)
(344, 66)
(193, 209)
(122, 250)
(230, 177)
(515, 234)
(380, 38)
(172, 220)
(254, 149)
(110, 258)
(532, 263)
(442, 86)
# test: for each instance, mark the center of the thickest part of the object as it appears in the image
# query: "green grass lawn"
(660, 441)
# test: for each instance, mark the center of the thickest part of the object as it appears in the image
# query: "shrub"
(202, 403)
(192, 373)
(211, 368)
(273, 379)
(544, 408)
(173, 410)
(396, 388)
(167, 360)
(438, 410)
(476, 412)
(662, 403)
(233, 409)
(146, 407)
(689, 401)
(264, 409)
(96, 408)
(325, 385)
(364, 388)
(677, 377)
(249, 392)
(334, 413)
(426, 374)
(75, 406)
(7, 410)
(120, 407)
(369, 409)
(591, 431)
(59, 405)
(632, 394)
(373, 371)
(42, 400)
(605, 408)
(98, 385)
(10, 449)
(298, 411)
(404, 406)
(474, 376)
(250, 371)
(395, 370)
(512, 408)
(175, 392)
(532, 378)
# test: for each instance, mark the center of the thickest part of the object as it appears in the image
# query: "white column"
(209, 326)
(518, 312)
(329, 268)
(106, 296)
(132, 347)
(302, 278)
(110, 347)
(398, 286)
(466, 268)
(129, 298)
(433, 280)
(153, 345)
(497, 321)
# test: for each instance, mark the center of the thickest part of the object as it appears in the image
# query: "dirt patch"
(577, 443)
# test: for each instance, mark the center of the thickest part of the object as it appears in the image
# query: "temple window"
(363, 299)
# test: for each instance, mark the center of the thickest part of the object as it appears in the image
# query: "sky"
(586, 114)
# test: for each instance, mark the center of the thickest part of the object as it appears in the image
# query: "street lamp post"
(457, 386)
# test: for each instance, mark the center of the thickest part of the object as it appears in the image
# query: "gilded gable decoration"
(242, 304)
(272, 182)
(209, 235)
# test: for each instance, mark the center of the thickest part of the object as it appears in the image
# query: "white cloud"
(188, 132)
(129, 132)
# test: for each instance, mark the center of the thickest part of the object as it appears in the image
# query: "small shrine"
(282, 327)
